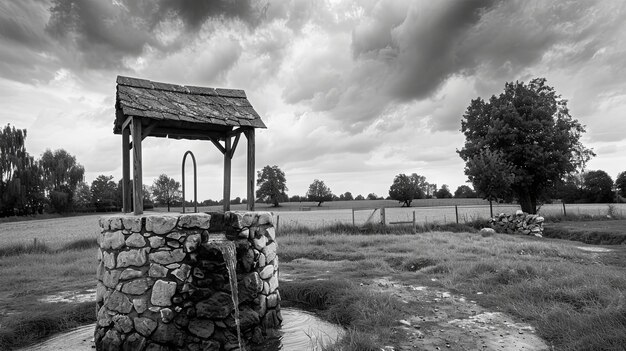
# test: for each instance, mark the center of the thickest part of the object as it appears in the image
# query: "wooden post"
(251, 178)
(126, 189)
(227, 169)
(277, 222)
(456, 211)
(137, 172)
(491, 207)
(414, 226)
(564, 212)
(353, 217)
(382, 217)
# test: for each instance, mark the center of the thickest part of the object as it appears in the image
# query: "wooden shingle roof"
(182, 112)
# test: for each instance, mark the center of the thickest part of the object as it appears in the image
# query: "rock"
(109, 259)
(166, 315)
(162, 293)
(271, 233)
(260, 305)
(247, 260)
(270, 251)
(249, 287)
(137, 286)
(160, 224)
(192, 242)
(175, 235)
(157, 271)
(132, 223)
(260, 242)
(111, 278)
(122, 323)
(167, 257)
(112, 240)
(119, 302)
(111, 340)
(219, 305)
(248, 318)
(130, 273)
(115, 223)
(156, 242)
(194, 220)
(101, 291)
(136, 240)
(270, 320)
(202, 328)
(262, 260)
(167, 333)
(133, 257)
(267, 272)
(103, 317)
(265, 218)
(273, 283)
(100, 270)
(145, 326)
(244, 233)
(182, 273)
(273, 299)
(134, 342)
(140, 304)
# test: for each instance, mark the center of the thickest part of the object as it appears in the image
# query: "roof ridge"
(176, 88)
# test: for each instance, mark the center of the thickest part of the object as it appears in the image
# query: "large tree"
(444, 192)
(61, 175)
(272, 185)
(620, 183)
(598, 187)
(104, 192)
(319, 192)
(464, 191)
(406, 188)
(166, 191)
(21, 190)
(529, 128)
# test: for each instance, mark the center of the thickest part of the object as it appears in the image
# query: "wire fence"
(435, 214)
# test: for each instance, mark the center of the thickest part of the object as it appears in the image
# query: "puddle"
(71, 296)
(593, 249)
(300, 331)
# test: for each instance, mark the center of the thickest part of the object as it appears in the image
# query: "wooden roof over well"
(182, 112)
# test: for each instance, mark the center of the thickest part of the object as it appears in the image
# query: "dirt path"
(444, 321)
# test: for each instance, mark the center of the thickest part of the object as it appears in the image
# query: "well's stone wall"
(518, 223)
(163, 281)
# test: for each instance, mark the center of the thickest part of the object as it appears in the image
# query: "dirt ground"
(442, 320)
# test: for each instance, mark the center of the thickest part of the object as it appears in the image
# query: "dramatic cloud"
(349, 89)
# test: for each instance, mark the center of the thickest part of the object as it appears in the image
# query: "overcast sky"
(353, 92)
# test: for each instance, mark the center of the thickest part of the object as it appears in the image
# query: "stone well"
(164, 282)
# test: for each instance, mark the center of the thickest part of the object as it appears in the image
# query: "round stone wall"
(164, 281)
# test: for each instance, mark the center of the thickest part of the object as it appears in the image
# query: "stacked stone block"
(163, 283)
(518, 223)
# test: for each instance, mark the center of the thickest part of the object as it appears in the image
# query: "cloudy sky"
(353, 92)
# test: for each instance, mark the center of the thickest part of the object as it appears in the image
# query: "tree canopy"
(598, 187)
(166, 191)
(526, 130)
(464, 191)
(444, 192)
(272, 185)
(406, 188)
(104, 192)
(319, 192)
(620, 183)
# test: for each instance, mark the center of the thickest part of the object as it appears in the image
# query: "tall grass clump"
(35, 247)
(368, 316)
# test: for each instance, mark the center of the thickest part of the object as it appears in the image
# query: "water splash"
(227, 248)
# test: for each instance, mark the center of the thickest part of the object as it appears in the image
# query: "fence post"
(277, 222)
(414, 227)
(564, 212)
(382, 217)
(353, 217)
(456, 211)
(491, 207)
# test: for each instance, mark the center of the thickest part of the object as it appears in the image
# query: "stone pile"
(518, 223)
(163, 281)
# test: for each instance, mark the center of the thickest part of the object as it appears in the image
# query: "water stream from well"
(227, 248)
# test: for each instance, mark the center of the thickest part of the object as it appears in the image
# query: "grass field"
(573, 297)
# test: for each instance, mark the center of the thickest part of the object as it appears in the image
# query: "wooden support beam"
(127, 122)
(219, 146)
(137, 167)
(227, 168)
(232, 150)
(236, 131)
(126, 189)
(251, 178)
(147, 130)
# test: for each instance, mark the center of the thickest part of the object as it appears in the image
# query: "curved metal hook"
(195, 181)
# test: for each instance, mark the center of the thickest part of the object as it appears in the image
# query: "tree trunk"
(168, 206)
(526, 201)
(319, 203)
